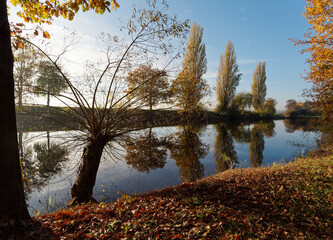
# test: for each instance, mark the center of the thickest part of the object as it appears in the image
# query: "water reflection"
(324, 140)
(41, 161)
(146, 151)
(157, 157)
(241, 133)
(187, 149)
(225, 154)
(257, 146)
(257, 141)
(50, 159)
(301, 124)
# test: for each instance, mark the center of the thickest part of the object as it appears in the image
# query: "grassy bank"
(292, 201)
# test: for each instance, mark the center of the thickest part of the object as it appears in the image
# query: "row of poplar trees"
(228, 79)
(191, 87)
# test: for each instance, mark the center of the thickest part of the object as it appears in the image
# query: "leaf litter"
(285, 201)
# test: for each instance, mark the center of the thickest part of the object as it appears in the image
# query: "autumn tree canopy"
(242, 101)
(35, 11)
(189, 87)
(49, 81)
(148, 85)
(270, 106)
(228, 78)
(319, 42)
(259, 87)
(25, 68)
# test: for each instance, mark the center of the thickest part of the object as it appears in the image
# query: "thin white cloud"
(242, 9)
(246, 61)
(210, 75)
(188, 11)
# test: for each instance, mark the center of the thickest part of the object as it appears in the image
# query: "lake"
(156, 158)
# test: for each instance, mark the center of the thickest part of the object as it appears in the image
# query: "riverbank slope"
(278, 202)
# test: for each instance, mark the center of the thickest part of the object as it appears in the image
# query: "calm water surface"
(156, 158)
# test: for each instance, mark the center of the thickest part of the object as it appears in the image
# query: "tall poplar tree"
(258, 87)
(228, 78)
(189, 87)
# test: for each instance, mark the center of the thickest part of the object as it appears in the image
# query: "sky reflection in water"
(158, 158)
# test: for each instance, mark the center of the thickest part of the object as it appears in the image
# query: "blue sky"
(259, 29)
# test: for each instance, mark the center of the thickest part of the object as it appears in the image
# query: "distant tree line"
(299, 109)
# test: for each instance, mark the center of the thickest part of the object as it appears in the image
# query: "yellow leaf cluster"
(319, 14)
(41, 12)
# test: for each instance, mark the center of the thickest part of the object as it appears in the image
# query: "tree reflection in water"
(257, 145)
(41, 162)
(324, 139)
(50, 159)
(240, 132)
(257, 142)
(301, 124)
(225, 154)
(187, 149)
(146, 152)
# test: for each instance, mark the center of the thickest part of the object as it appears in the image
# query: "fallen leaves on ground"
(280, 202)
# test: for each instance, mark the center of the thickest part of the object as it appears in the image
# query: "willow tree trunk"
(82, 190)
(12, 202)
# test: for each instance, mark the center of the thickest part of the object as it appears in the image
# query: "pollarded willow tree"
(319, 40)
(107, 114)
(228, 78)
(189, 87)
(258, 87)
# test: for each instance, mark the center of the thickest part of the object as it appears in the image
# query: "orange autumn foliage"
(35, 11)
(41, 12)
(319, 39)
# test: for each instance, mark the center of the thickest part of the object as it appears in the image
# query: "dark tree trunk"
(82, 189)
(150, 102)
(48, 140)
(12, 202)
(48, 98)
